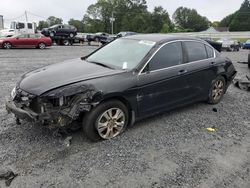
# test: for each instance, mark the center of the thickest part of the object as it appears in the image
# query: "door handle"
(212, 63)
(182, 71)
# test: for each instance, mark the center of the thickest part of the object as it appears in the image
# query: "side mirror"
(17, 37)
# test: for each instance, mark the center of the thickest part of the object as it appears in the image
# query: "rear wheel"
(41, 45)
(106, 121)
(217, 90)
(7, 45)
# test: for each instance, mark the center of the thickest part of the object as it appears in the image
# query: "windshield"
(122, 53)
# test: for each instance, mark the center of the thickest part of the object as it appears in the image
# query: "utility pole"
(26, 16)
(112, 19)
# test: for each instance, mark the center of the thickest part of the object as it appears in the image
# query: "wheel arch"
(126, 102)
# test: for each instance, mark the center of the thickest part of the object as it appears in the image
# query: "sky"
(214, 10)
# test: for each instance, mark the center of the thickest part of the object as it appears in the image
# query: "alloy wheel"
(218, 90)
(110, 123)
(7, 45)
(42, 46)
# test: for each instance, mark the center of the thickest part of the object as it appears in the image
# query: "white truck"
(18, 28)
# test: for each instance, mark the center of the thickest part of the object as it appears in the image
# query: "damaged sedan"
(129, 79)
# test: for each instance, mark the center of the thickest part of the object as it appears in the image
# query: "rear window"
(195, 50)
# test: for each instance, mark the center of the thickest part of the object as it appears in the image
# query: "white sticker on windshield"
(146, 42)
(125, 65)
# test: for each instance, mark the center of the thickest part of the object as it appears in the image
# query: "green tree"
(190, 19)
(160, 21)
(241, 19)
(52, 20)
(42, 24)
(79, 25)
(130, 15)
(225, 22)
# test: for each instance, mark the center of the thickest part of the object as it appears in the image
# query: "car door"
(21, 41)
(201, 68)
(162, 84)
(33, 40)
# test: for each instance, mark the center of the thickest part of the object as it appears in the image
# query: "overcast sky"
(214, 10)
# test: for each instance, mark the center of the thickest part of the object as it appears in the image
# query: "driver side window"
(168, 56)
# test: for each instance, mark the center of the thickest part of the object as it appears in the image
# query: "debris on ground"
(242, 84)
(67, 141)
(215, 110)
(210, 129)
(8, 176)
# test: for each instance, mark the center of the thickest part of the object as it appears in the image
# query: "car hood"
(54, 76)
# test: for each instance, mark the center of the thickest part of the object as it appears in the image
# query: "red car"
(25, 41)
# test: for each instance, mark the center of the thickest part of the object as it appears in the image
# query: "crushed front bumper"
(20, 113)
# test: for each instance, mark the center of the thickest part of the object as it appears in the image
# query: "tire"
(41, 45)
(66, 42)
(52, 34)
(71, 35)
(96, 126)
(97, 40)
(217, 90)
(7, 45)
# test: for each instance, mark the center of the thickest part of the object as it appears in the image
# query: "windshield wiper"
(101, 64)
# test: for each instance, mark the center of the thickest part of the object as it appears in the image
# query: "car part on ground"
(124, 81)
(8, 176)
(243, 84)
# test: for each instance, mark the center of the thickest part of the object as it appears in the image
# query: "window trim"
(146, 64)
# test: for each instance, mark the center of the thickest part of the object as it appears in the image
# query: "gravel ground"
(170, 150)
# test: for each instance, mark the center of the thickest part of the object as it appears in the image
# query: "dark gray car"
(128, 79)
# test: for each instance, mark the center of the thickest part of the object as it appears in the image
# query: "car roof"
(159, 38)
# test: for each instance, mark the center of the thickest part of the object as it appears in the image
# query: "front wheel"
(106, 121)
(7, 45)
(217, 90)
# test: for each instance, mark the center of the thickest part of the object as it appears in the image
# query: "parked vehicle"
(126, 80)
(18, 28)
(60, 30)
(25, 41)
(229, 44)
(80, 38)
(97, 37)
(110, 38)
(246, 45)
(126, 33)
(7, 33)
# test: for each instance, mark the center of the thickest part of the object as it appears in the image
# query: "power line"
(36, 15)
(9, 19)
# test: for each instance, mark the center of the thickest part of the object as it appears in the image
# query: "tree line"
(133, 15)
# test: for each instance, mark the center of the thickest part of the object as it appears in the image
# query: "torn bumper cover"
(59, 107)
(21, 113)
(61, 117)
